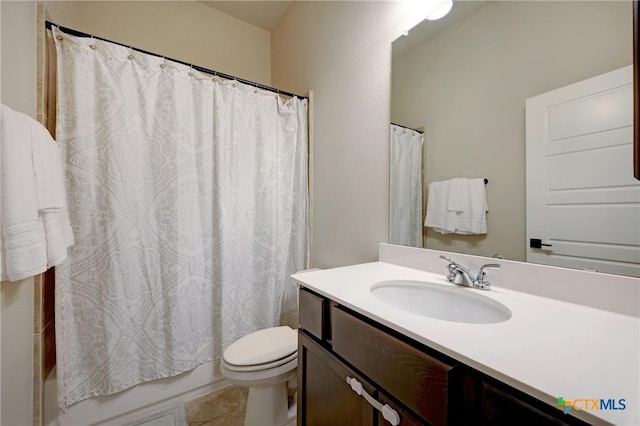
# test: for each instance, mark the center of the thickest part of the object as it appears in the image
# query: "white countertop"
(547, 349)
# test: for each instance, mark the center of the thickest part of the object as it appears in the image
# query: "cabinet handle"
(388, 413)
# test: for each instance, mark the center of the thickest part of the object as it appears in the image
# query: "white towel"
(468, 198)
(438, 215)
(59, 236)
(24, 253)
(457, 206)
(458, 195)
(51, 195)
(34, 222)
(47, 169)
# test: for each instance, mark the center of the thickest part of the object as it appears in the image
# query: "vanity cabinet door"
(407, 418)
(501, 407)
(324, 396)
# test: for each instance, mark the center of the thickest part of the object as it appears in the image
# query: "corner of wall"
(18, 82)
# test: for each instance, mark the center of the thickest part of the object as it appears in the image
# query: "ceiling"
(262, 14)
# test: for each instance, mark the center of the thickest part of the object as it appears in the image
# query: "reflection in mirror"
(465, 80)
(405, 186)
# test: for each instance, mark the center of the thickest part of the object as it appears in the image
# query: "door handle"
(388, 413)
(537, 243)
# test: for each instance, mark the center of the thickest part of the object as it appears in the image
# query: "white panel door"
(583, 203)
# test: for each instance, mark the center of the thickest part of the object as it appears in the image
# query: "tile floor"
(224, 407)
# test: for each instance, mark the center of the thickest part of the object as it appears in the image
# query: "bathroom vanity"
(420, 384)
(430, 371)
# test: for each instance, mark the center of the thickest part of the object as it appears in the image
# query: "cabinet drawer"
(414, 378)
(312, 309)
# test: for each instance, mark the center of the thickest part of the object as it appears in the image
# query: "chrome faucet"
(460, 275)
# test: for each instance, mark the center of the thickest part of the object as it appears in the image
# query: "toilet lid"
(263, 346)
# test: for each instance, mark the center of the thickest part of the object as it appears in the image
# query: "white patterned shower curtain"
(405, 181)
(188, 200)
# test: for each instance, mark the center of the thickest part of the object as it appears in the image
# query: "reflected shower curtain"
(405, 181)
(188, 200)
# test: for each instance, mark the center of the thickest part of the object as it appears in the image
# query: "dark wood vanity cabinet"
(328, 398)
(423, 386)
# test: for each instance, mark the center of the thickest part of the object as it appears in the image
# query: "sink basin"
(457, 304)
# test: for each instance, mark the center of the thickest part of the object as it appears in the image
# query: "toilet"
(264, 361)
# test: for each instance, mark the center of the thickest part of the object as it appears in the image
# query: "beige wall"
(468, 87)
(184, 30)
(342, 51)
(17, 90)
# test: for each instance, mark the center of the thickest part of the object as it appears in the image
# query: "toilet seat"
(265, 362)
(260, 377)
(258, 367)
(262, 350)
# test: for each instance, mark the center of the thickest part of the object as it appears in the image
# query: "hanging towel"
(438, 215)
(46, 168)
(458, 200)
(468, 199)
(458, 206)
(52, 206)
(24, 249)
(34, 222)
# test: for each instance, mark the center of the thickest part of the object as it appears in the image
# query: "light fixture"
(441, 11)
(419, 10)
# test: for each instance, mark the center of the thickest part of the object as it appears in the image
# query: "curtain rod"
(77, 33)
(405, 127)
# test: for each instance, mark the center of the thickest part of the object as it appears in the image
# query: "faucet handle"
(490, 266)
(445, 258)
(483, 271)
(454, 264)
(454, 274)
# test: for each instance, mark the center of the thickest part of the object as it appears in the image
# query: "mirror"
(464, 81)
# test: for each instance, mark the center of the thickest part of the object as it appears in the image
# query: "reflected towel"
(468, 198)
(438, 215)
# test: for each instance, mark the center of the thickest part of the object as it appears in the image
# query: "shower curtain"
(188, 200)
(405, 164)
